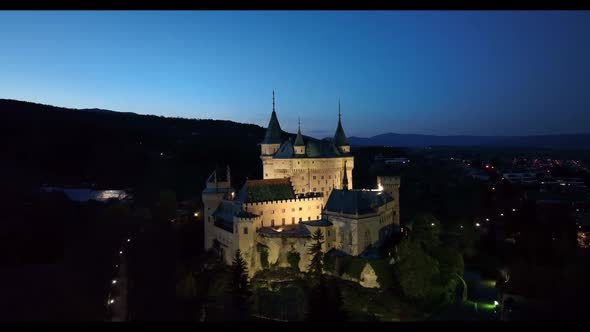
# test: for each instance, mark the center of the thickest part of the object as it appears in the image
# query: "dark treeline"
(44, 144)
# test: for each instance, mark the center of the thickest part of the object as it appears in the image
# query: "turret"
(299, 143)
(340, 139)
(217, 188)
(391, 184)
(272, 139)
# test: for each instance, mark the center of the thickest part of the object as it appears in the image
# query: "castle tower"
(299, 143)
(340, 137)
(272, 139)
(217, 188)
(391, 184)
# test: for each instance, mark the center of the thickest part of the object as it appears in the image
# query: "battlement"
(318, 198)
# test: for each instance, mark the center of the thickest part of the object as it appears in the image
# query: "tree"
(416, 271)
(426, 231)
(239, 287)
(167, 206)
(317, 258)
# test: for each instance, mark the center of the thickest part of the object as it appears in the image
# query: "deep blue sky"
(488, 73)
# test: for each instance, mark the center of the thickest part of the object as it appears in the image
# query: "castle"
(306, 185)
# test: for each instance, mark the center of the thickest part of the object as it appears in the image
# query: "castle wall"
(291, 211)
(311, 174)
(354, 234)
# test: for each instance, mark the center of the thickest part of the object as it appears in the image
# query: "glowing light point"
(114, 281)
(496, 303)
(111, 301)
(432, 224)
(487, 219)
(476, 224)
(120, 252)
(128, 240)
(501, 214)
(513, 210)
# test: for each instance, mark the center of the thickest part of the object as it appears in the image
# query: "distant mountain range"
(570, 141)
(130, 122)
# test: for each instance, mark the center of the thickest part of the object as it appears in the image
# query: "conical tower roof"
(340, 137)
(299, 139)
(273, 131)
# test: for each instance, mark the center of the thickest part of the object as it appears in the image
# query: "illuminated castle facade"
(306, 185)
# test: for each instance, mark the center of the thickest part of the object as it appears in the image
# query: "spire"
(273, 131)
(345, 178)
(299, 139)
(340, 137)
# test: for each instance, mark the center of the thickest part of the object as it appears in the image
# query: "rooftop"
(356, 201)
(266, 190)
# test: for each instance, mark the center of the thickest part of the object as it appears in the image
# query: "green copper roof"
(340, 138)
(266, 190)
(273, 131)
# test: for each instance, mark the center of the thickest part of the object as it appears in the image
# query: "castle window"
(272, 223)
(283, 210)
(314, 189)
(272, 211)
(266, 174)
(322, 177)
(303, 178)
(317, 207)
(329, 176)
(261, 212)
(322, 188)
(300, 219)
(308, 218)
(245, 230)
(283, 221)
(314, 177)
(292, 220)
(300, 208)
(328, 232)
(318, 218)
(292, 209)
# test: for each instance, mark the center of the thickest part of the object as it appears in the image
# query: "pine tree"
(317, 258)
(239, 287)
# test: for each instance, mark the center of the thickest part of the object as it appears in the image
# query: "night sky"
(425, 72)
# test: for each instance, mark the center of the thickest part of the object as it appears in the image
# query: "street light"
(487, 219)
(476, 224)
(501, 214)
(111, 301)
(496, 303)
(114, 281)
(432, 224)
(128, 240)
(120, 252)
(513, 210)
